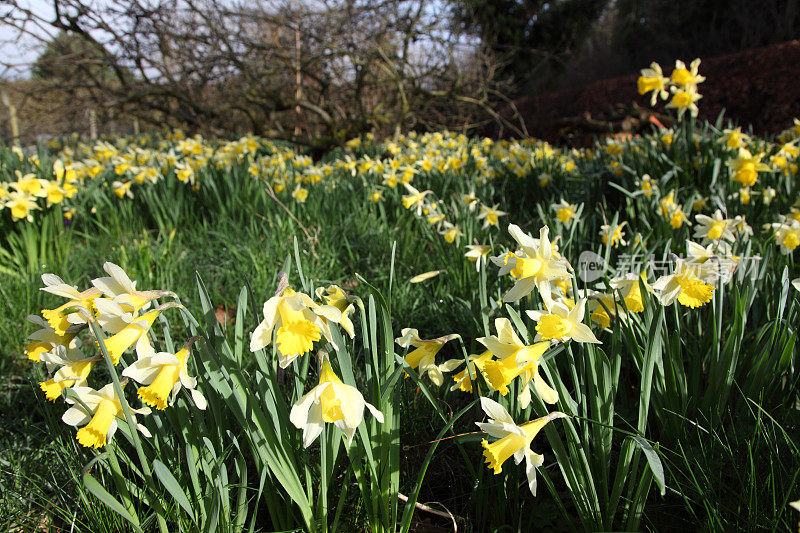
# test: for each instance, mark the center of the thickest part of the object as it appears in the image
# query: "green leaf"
(653, 460)
(93, 486)
(173, 487)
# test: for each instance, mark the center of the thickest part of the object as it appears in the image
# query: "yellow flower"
(414, 199)
(746, 167)
(714, 228)
(163, 375)
(787, 235)
(514, 359)
(295, 322)
(685, 286)
(683, 100)
(330, 402)
(617, 235)
(560, 323)
(463, 380)
(490, 215)
(564, 211)
(686, 78)
(514, 441)
(300, 194)
(535, 265)
(477, 253)
(652, 80)
(376, 196)
(97, 411)
(733, 138)
(424, 354)
(21, 203)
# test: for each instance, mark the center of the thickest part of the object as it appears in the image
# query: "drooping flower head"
(97, 412)
(424, 353)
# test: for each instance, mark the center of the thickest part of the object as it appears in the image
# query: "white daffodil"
(560, 323)
(513, 440)
(164, 374)
(424, 354)
(535, 265)
(333, 402)
(712, 262)
(97, 411)
(514, 359)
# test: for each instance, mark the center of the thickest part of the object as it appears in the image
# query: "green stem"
(126, 409)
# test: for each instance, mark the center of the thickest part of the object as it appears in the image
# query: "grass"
(712, 390)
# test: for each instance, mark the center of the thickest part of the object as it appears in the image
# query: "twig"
(423, 507)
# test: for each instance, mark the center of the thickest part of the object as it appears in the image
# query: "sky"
(20, 53)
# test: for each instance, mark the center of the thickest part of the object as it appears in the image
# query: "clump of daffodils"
(66, 333)
(681, 84)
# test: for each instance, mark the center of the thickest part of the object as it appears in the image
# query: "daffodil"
(733, 138)
(74, 311)
(514, 359)
(714, 228)
(423, 356)
(686, 78)
(630, 289)
(465, 378)
(477, 253)
(333, 402)
(513, 440)
(613, 236)
(129, 329)
(712, 262)
(560, 323)
(746, 166)
(535, 265)
(684, 100)
(45, 339)
(119, 287)
(787, 235)
(415, 198)
(450, 232)
(291, 317)
(21, 204)
(685, 285)
(490, 215)
(652, 80)
(97, 411)
(73, 369)
(334, 296)
(565, 211)
(163, 375)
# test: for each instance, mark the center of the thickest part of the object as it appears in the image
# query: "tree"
(533, 37)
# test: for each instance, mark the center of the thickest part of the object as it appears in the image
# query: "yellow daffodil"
(652, 80)
(163, 375)
(714, 228)
(73, 369)
(97, 411)
(490, 215)
(615, 235)
(686, 78)
(477, 253)
(787, 235)
(424, 354)
(683, 100)
(564, 211)
(514, 359)
(513, 440)
(560, 323)
(21, 204)
(684, 285)
(535, 265)
(733, 138)
(746, 167)
(333, 402)
(74, 311)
